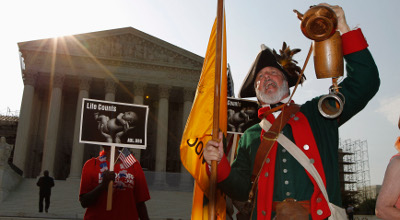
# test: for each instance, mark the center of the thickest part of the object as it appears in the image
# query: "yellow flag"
(198, 129)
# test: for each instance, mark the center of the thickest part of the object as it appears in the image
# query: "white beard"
(275, 97)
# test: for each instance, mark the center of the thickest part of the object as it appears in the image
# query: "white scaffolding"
(356, 167)
(8, 112)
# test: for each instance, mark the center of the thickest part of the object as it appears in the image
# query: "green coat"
(360, 85)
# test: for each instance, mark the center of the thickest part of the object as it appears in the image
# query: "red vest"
(303, 136)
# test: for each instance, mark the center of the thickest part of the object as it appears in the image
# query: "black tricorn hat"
(266, 57)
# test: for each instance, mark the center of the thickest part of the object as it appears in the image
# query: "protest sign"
(113, 124)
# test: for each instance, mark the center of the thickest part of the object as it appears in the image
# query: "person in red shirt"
(130, 191)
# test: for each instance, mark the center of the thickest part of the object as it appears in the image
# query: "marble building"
(121, 65)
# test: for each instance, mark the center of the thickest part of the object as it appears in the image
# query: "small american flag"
(126, 157)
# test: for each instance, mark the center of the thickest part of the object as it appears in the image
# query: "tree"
(349, 197)
(367, 207)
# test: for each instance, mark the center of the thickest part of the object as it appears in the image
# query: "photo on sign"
(113, 124)
(242, 114)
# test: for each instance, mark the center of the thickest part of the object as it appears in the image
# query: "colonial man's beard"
(273, 98)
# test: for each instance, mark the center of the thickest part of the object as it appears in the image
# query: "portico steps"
(168, 201)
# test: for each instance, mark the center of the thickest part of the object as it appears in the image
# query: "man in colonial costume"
(282, 178)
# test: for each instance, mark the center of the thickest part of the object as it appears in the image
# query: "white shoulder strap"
(299, 156)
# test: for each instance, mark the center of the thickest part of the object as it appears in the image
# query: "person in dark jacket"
(45, 183)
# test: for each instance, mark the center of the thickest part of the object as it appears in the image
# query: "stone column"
(162, 129)
(110, 87)
(138, 92)
(187, 107)
(24, 122)
(50, 141)
(186, 178)
(78, 148)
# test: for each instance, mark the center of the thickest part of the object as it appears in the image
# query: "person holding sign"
(283, 183)
(130, 191)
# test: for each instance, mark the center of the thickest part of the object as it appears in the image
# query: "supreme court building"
(121, 65)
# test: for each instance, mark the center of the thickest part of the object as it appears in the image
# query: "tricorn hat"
(282, 61)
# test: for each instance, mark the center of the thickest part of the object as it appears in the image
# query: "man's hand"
(342, 24)
(107, 177)
(90, 198)
(214, 150)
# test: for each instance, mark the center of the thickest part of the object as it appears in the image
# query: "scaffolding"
(354, 165)
(9, 113)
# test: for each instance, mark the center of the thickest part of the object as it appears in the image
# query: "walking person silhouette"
(45, 183)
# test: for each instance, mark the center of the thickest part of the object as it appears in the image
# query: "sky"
(187, 24)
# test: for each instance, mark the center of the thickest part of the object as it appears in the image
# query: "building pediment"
(124, 46)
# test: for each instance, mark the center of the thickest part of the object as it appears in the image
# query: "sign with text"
(242, 114)
(113, 124)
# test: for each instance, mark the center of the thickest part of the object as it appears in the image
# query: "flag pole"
(110, 184)
(217, 94)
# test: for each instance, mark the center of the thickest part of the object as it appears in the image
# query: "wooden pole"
(217, 95)
(110, 185)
